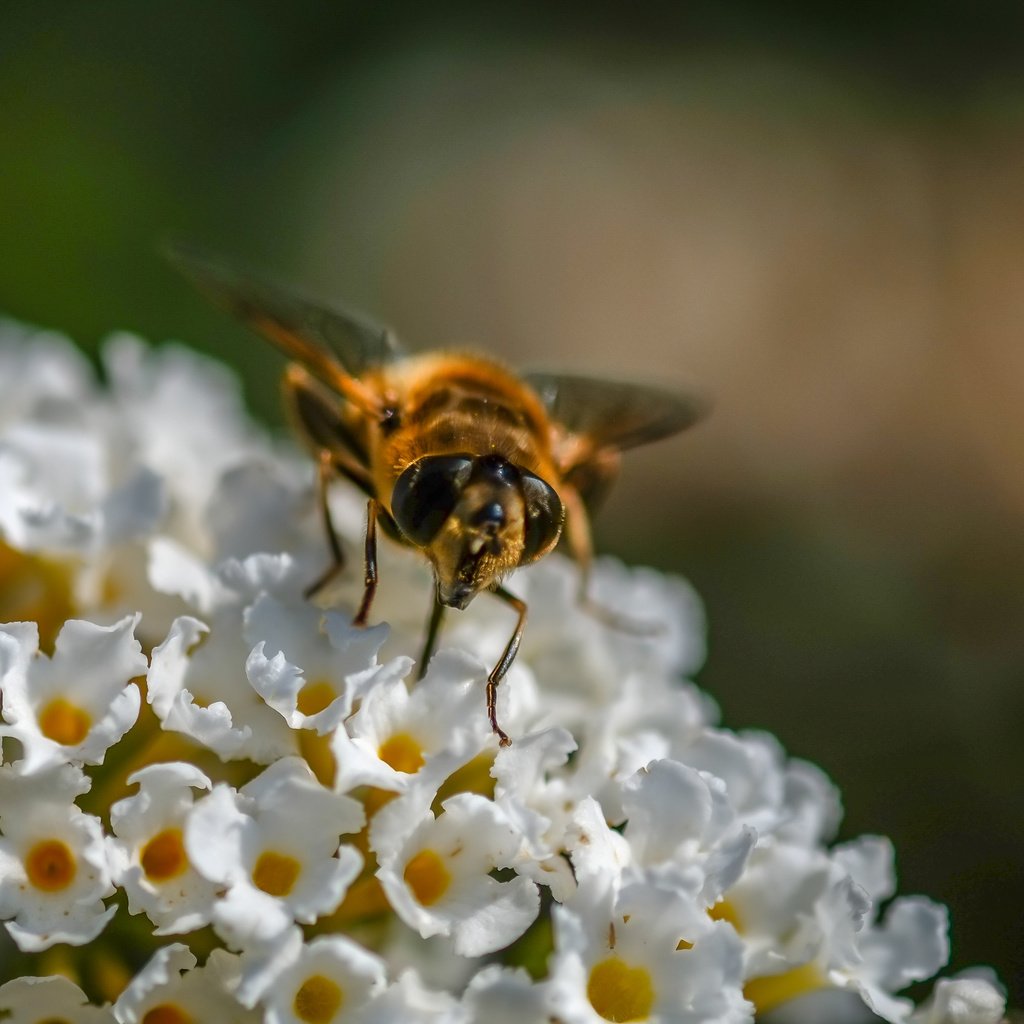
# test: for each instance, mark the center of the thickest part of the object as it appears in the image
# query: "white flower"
(642, 957)
(274, 847)
(437, 873)
(47, 1001)
(643, 862)
(153, 865)
(41, 374)
(150, 391)
(683, 831)
(408, 1001)
(74, 706)
(61, 492)
(910, 944)
(972, 997)
(775, 904)
(171, 988)
(498, 995)
(326, 981)
(539, 801)
(309, 665)
(197, 686)
(806, 919)
(397, 736)
(54, 866)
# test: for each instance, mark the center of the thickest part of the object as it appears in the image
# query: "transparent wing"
(322, 338)
(612, 415)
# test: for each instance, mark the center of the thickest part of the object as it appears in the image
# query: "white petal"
(30, 1000)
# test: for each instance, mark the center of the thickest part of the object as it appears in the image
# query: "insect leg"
(433, 631)
(504, 662)
(577, 524)
(370, 563)
(581, 544)
(324, 466)
(328, 463)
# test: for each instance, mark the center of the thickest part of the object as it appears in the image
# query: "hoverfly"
(472, 464)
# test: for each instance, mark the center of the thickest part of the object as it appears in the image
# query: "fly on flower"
(470, 463)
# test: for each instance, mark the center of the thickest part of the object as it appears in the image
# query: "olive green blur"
(812, 213)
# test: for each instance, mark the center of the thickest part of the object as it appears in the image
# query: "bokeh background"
(814, 213)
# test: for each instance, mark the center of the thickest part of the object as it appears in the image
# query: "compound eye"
(426, 493)
(544, 516)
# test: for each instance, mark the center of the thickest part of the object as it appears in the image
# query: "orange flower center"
(63, 722)
(275, 873)
(50, 865)
(166, 1013)
(427, 876)
(619, 992)
(318, 1000)
(402, 753)
(163, 857)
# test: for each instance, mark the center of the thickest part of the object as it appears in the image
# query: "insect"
(477, 467)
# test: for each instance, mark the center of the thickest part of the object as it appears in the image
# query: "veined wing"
(327, 340)
(608, 414)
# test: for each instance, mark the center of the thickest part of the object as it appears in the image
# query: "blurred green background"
(815, 212)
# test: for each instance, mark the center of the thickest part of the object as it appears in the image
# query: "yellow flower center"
(314, 697)
(63, 722)
(619, 992)
(318, 1000)
(473, 777)
(50, 865)
(33, 589)
(775, 989)
(275, 873)
(317, 751)
(166, 1013)
(427, 876)
(163, 857)
(723, 910)
(402, 753)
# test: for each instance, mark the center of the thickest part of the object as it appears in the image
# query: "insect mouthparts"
(490, 518)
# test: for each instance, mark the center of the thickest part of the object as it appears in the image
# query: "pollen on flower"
(775, 989)
(315, 697)
(318, 1000)
(402, 753)
(50, 865)
(64, 722)
(167, 1013)
(427, 877)
(164, 857)
(275, 873)
(619, 992)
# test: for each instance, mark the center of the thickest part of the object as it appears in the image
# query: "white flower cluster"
(192, 750)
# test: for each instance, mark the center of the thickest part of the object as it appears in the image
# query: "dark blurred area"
(813, 212)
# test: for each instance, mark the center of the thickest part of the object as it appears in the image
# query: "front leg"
(437, 611)
(369, 563)
(324, 471)
(505, 662)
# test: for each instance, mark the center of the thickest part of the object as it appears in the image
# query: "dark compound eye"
(427, 492)
(495, 470)
(544, 515)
